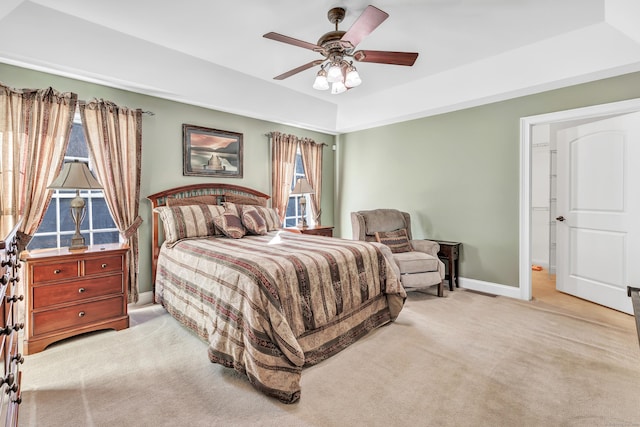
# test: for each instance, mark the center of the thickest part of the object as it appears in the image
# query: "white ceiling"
(212, 53)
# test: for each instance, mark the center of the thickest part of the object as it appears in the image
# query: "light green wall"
(458, 174)
(162, 144)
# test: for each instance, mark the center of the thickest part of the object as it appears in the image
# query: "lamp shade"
(75, 175)
(302, 187)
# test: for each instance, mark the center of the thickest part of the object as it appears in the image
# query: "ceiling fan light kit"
(336, 72)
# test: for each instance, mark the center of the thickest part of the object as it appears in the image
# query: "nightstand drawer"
(55, 271)
(45, 296)
(101, 265)
(77, 315)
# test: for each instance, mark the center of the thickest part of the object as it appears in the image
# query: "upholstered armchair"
(417, 260)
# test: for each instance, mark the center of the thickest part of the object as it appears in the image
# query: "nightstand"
(73, 292)
(450, 253)
(318, 230)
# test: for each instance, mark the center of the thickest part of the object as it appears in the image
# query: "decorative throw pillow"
(242, 199)
(181, 222)
(271, 218)
(253, 220)
(207, 199)
(230, 225)
(233, 208)
(397, 240)
(270, 215)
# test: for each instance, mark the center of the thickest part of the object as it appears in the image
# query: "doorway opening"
(537, 195)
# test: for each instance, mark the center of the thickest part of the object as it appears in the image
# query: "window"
(57, 226)
(293, 207)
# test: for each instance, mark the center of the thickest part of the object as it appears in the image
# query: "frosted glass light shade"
(353, 78)
(338, 87)
(334, 74)
(321, 82)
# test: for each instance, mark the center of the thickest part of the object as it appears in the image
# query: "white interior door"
(598, 207)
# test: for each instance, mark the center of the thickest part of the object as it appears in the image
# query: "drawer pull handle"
(57, 271)
(81, 314)
(81, 290)
(7, 380)
(15, 298)
(104, 265)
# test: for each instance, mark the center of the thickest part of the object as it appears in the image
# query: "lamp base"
(77, 214)
(77, 244)
(303, 212)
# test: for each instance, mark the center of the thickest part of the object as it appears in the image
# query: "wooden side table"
(72, 292)
(318, 230)
(450, 253)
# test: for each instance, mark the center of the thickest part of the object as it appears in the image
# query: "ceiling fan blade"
(385, 57)
(364, 25)
(299, 69)
(290, 40)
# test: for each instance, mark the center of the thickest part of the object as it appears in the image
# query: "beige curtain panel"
(11, 134)
(311, 153)
(114, 137)
(283, 158)
(35, 124)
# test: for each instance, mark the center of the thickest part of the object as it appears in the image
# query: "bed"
(269, 302)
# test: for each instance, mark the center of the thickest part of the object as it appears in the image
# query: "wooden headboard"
(160, 199)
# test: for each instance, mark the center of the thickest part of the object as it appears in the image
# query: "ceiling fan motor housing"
(331, 42)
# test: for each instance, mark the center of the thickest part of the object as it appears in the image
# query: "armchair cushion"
(416, 262)
(397, 240)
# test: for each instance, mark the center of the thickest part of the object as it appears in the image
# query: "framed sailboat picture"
(211, 152)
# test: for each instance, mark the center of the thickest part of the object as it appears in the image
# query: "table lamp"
(77, 176)
(302, 188)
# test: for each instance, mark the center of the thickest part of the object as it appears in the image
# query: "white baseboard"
(490, 288)
(144, 298)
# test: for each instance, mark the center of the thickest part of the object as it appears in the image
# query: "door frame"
(526, 124)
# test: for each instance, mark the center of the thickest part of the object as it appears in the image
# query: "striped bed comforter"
(269, 305)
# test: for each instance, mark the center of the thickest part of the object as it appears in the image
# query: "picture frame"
(211, 152)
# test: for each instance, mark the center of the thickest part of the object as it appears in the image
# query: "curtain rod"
(268, 135)
(148, 113)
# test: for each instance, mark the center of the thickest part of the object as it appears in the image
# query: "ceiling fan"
(338, 47)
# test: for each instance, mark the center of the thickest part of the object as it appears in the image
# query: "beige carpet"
(464, 360)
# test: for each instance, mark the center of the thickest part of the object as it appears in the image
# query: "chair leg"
(441, 289)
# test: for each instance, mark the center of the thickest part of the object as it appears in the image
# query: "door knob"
(560, 218)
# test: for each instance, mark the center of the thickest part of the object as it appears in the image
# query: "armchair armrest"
(427, 246)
